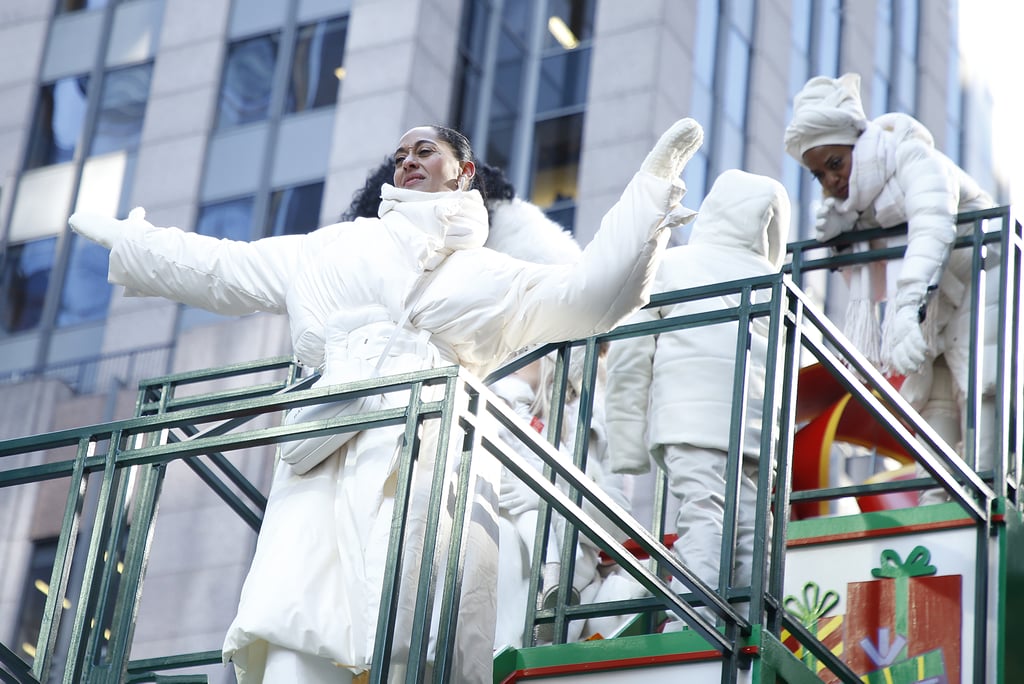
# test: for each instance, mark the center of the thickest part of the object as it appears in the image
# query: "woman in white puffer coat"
(670, 395)
(886, 172)
(308, 609)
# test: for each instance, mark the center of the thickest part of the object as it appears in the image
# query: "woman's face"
(426, 163)
(831, 165)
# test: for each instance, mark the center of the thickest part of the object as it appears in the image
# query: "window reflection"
(64, 6)
(736, 81)
(515, 17)
(577, 15)
(248, 78)
(122, 109)
(295, 210)
(556, 154)
(24, 279)
(34, 593)
(58, 123)
(231, 219)
(319, 49)
(563, 80)
(86, 292)
(508, 78)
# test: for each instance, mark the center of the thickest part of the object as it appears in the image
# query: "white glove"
(832, 219)
(105, 230)
(909, 349)
(515, 496)
(674, 149)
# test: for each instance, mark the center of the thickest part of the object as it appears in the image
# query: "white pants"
(696, 476)
(945, 412)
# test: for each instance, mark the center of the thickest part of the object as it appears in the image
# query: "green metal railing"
(124, 463)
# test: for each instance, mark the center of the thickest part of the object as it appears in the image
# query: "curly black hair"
(489, 180)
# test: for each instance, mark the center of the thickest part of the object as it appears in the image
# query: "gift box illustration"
(903, 627)
(812, 610)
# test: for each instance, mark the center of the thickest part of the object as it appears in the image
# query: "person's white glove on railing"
(106, 230)
(674, 149)
(831, 219)
(909, 348)
(516, 496)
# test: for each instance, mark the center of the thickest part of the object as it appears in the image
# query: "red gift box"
(907, 612)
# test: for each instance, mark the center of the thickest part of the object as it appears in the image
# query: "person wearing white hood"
(669, 396)
(411, 289)
(882, 173)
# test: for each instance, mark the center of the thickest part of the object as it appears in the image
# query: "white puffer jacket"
(676, 388)
(899, 177)
(479, 306)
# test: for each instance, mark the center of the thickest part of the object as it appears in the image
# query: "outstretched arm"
(613, 277)
(224, 276)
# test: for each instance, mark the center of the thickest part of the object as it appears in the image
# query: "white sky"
(988, 31)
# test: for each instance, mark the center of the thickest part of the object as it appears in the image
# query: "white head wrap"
(827, 111)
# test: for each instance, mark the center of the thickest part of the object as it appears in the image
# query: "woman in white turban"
(882, 173)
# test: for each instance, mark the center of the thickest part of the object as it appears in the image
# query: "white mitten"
(832, 219)
(516, 496)
(674, 149)
(908, 349)
(105, 230)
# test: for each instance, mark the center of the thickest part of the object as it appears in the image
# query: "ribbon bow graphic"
(918, 564)
(814, 604)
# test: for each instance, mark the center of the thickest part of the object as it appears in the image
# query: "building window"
(65, 6)
(556, 163)
(695, 174)
(86, 292)
(57, 128)
(954, 92)
(248, 78)
(316, 65)
(904, 95)
(122, 109)
(522, 105)
(33, 602)
(880, 82)
(247, 90)
(24, 280)
(295, 210)
(230, 219)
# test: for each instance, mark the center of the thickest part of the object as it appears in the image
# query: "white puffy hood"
(745, 211)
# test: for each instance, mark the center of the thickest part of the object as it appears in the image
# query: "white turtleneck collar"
(453, 220)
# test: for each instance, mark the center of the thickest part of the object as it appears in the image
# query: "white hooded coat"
(314, 584)
(676, 387)
(899, 177)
